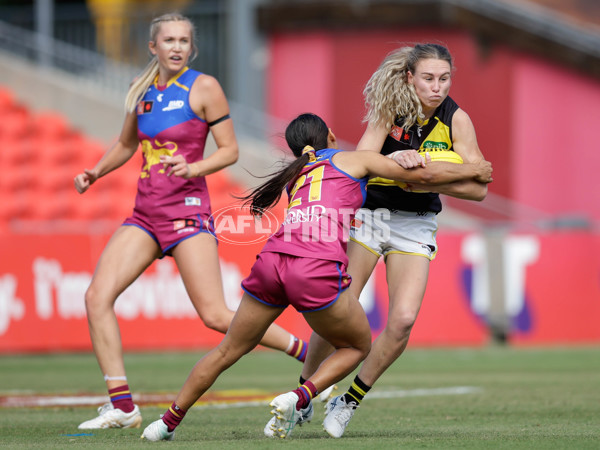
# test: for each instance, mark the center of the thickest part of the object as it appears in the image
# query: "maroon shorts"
(308, 284)
(169, 233)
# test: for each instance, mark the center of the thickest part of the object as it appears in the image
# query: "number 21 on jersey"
(314, 192)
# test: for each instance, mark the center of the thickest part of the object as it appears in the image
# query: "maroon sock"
(299, 349)
(173, 416)
(306, 393)
(121, 399)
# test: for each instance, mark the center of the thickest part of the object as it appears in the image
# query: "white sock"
(106, 378)
(291, 344)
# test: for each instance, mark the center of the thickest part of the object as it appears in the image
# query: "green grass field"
(520, 399)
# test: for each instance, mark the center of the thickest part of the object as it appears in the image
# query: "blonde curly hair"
(388, 94)
(143, 81)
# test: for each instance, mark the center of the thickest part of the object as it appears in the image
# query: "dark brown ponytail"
(305, 130)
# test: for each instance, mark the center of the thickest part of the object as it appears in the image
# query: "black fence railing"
(121, 38)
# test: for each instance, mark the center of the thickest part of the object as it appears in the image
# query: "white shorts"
(382, 232)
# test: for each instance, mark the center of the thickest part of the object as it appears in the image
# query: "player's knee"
(365, 348)
(361, 341)
(216, 322)
(93, 300)
(401, 325)
(231, 352)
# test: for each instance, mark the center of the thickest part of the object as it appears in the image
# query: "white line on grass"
(222, 403)
(457, 390)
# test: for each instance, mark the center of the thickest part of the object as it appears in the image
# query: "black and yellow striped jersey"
(434, 134)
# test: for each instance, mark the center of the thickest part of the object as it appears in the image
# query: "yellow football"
(445, 155)
(436, 155)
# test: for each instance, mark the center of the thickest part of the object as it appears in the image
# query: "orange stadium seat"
(93, 206)
(18, 151)
(51, 125)
(56, 180)
(73, 146)
(16, 180)
(120, 207)
(11, 206)
(20, 205)
(15, 123)
(222, 189)
(89, 152)
(54, 207)
(56, 153)
(121, 185)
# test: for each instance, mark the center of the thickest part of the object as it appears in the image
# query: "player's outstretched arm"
(115, 157)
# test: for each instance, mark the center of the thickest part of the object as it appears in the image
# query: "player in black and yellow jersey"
(433, 135)
(408, 109)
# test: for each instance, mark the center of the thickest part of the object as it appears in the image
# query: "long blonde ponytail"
(140, 85)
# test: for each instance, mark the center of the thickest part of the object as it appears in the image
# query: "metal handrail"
(90, 67)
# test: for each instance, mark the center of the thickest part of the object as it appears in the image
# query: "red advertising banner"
(550, 287)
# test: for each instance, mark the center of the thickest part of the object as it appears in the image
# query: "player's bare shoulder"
(206, 81)
(206, 85)
(206, 92)
(461, 120)
(353, 162)
(464, 138)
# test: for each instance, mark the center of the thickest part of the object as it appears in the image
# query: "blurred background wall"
(521, 267)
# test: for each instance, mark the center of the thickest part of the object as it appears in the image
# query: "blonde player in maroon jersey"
(304, 265)
(170, 111)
